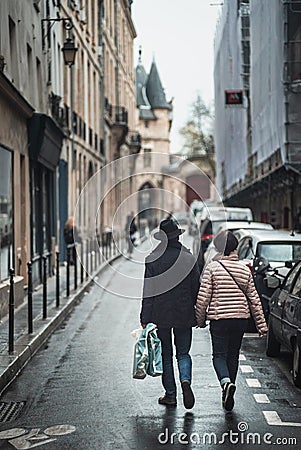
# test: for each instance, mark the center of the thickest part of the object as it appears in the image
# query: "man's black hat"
(168, 228)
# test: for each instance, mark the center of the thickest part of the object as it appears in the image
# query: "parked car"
(211, 219)
(276, 246)
(280, 249)
(285, 319)
(235, 226)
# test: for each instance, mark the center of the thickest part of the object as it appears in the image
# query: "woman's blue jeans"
(226, 337)
(182, 342)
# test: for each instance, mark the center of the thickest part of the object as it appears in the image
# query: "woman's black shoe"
(188, 397)
(228, 396)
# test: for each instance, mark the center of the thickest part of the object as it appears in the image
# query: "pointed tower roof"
(145, 109)
(154, 90)
(141, 77)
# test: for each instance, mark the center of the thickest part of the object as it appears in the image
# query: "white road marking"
(253, 382)
(272, 418)
(22, 439)
(246, 369)
(261, 398)
(242, 358)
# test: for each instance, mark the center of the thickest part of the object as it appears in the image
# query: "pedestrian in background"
(169, 302)
(71, 237)
(227, 297)
(130, 232)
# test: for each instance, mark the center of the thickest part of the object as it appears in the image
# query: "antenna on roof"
(140, 53)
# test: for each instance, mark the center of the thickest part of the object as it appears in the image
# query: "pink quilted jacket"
(220, 298)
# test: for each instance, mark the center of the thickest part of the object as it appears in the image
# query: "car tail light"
(207, 236)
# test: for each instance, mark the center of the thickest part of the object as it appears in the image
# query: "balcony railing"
(134, 141)
(117, 114)
(57, 112)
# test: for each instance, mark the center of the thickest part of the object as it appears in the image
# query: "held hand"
(201, 325)
(143, 325)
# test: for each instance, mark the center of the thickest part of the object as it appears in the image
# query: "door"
(286, 304)
(289, 318)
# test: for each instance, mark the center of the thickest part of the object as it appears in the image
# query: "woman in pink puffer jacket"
(227, 297)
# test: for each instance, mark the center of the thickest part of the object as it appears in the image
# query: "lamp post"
(69, 53)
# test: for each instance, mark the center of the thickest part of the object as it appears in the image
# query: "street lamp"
(69, 52)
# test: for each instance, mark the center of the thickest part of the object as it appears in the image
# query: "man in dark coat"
(171, 284)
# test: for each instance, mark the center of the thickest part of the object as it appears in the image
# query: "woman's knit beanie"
(225, 242)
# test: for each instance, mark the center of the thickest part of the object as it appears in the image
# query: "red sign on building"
(234, 97)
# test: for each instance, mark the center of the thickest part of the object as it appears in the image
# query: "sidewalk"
(26, 345)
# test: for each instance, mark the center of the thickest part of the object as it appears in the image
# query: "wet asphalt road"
(82, 379)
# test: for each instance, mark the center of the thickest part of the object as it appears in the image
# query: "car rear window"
(279, 251)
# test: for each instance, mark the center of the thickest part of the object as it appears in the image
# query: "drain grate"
(10, 410)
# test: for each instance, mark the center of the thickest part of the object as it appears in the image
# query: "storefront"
(45, 141)
(14, 191)
(6, 212)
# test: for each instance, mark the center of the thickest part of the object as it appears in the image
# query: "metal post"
(91, 258)
(82, 262)
(68, 272)
(87, 258)
(11, 309)
(29, 301)
(44, 287)
(57, 279)
(96, 252)
(75, 266)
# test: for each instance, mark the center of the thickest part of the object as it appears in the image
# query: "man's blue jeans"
(182, 341)
(226, 337)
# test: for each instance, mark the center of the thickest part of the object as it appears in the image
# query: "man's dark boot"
(167, 401)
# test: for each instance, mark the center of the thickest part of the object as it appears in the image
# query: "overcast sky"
(180, 35)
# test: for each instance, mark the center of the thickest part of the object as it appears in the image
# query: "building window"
(90, 136)
(147, 157)
(13, 50)
(6, 213)
(39, 82)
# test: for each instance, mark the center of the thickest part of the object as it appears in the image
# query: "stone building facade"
(258, 139)
(61, 124)
(23, 91)
(154, 118)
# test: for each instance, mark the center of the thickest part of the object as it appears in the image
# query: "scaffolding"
(292, 79)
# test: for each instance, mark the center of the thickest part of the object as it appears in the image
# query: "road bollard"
(81, 263)
(87, 258)
(29, 300)
(11, 312)
(91, 259)
(44, 287)
(57, 279)
(75, 267)
(68, 272)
